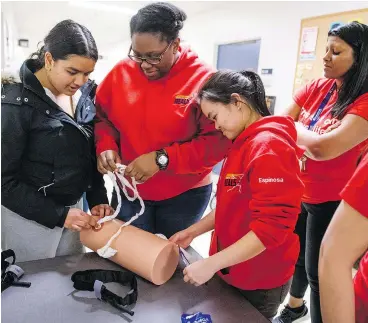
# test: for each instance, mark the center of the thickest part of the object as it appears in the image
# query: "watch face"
(162, 160)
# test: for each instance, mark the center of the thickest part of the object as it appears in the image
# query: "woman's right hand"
(76, 220)
(183, 238)
(333, 126)
(107, 161)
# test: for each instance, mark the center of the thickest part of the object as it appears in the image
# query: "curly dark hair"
(160, 18)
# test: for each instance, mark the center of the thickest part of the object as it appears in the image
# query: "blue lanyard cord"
(321, 107)
(185, 259)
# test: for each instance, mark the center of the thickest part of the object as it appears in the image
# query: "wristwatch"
(162, 159)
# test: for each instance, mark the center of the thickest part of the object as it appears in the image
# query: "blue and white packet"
(196, 318)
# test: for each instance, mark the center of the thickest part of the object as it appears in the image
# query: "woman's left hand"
(143, 167)
(102, 210)
(199, 272)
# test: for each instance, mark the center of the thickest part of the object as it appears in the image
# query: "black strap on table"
(11, 273)
(4, 256)
(92, 280)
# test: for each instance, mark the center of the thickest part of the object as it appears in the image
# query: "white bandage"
(106, 251)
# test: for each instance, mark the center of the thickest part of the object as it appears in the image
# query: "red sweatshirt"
(324, 180)
(259, 189)
(140, 116)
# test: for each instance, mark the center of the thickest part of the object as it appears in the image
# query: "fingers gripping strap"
(119, 180)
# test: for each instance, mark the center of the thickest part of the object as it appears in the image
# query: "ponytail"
(259, 94)
(38, 58)
(246, 83)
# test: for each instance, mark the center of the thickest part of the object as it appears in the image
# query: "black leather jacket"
(48, 159)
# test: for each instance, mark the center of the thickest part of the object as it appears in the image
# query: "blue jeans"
(171, 215)
(267, 301)
(85, 203)
(311, 228)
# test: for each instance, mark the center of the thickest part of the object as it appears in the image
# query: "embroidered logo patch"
(182, 99)
(233, 181)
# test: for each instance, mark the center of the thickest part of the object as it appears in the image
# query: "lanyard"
(321, 107)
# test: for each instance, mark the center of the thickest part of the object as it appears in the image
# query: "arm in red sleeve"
(204, 151)
(302, 94)
(356, 190)
(106, 135)
(276, 196)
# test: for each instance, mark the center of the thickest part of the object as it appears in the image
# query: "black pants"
(311, 227)
(267, 301)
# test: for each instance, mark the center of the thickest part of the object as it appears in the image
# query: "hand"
(333, 126)
(107, 161)
(143, 167)
(199, 272)
(102, 210)
(182, 238)
(76, 220)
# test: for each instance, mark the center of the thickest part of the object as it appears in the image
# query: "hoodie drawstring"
(44, 188)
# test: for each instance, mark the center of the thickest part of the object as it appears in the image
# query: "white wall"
(11, 53)
(2, 41)
(110, 58)
(109, 28)
(276, 23)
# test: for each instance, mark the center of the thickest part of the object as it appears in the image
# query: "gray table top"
(52, 298)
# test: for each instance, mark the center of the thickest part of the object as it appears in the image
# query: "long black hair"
(65, 39)
(246, 83)
(355, 81)
(160, 18)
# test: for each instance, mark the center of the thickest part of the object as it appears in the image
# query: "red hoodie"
(259, 189)
(141, 116)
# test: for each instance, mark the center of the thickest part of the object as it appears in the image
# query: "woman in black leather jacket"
(48, 152)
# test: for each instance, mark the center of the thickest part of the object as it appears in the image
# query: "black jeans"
(168, 216)
(311, 227)
(267, 301)
(300, 281)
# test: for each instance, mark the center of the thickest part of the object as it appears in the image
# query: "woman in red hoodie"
(149, 121)
(253, 246)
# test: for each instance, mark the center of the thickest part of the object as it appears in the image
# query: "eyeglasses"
(150, 60)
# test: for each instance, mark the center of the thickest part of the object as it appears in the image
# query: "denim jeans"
(85, 203)
(171, 215)
(311, 227)
(300, 280)
(267, 301)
